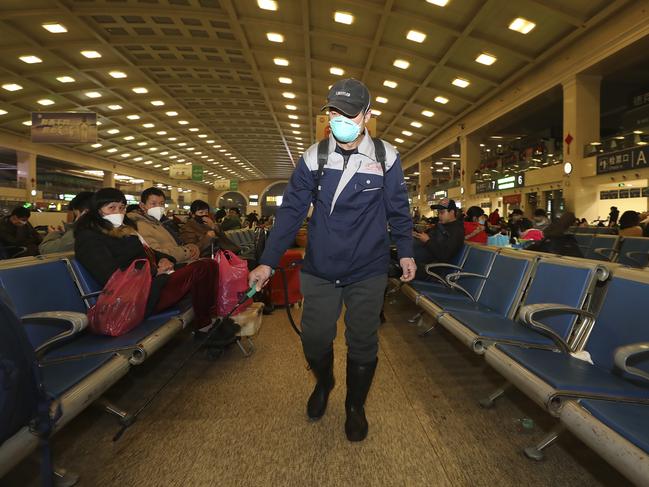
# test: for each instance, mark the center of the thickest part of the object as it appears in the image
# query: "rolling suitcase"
(292, 273)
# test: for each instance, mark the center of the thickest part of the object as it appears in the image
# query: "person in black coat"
(105, 240)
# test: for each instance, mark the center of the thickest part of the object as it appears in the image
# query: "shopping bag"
(233, 282)
(122, 304)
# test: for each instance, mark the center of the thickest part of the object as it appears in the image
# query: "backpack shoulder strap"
(379, 152)
(323, 155)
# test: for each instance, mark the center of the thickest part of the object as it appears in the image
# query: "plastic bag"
(233, 282)
(122, 304)
(498, 240)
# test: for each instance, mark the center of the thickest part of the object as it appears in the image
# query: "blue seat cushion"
(423, 286)
(496, 327)
(58, 378)
(90, 343)
(566, 373)
(629, 420)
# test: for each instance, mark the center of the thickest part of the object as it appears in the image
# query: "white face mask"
(156, 212)
(117, 219)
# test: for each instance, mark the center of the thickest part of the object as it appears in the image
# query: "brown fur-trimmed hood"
(120, 232)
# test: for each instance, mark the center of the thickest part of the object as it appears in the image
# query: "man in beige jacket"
(147, 220)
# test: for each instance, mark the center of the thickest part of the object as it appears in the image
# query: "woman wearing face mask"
(474, 225)
(201, 230)
(106, 241)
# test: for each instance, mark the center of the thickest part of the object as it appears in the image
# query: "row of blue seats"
(51, 296)
(570, 333)
(628, 251)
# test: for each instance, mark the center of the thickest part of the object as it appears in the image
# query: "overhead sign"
(322, 129)
(509, 182)
(64, 127)
(197, 172)
(222, 184)
(637, 158)
(180, 171)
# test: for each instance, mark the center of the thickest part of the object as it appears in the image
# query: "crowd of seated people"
(17, 236)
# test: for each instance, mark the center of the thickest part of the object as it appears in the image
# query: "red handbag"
(233, 282)
(122, 304)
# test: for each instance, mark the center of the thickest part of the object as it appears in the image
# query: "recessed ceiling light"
(280, 61)
(113, 131)
(115, 107)
(285, 81)
(401, 63)
(202, 136)
(295, 125)
(407, 133)
(460, 82)
(522, 25)
(46, 102)
(439, 3)
(293, 117)
(381, 99)
(148, 162)
(416, 124)
(291, 107)
(93, 94)
(416, 36)
(267, 4)
(91, 54)
(297, 132)
(390, 84)
(65, 79)
(148, 125)
(95, 146)
(427, 113)
(194, 129)
(344, 18)
(158, 165)
(125, 155)
(28, 123)
(486, 59)
(274, 37)
(157, 103)
(442, 100)
(376, 113)
(398, 140)
(142, 144)
(55, 28)
(140, 90)
(133, 117)
(289, 95)
(31, 59)
(3, 112)
(129, 137)
(336, 71)
(111, 150)
(118, 74)
(171, 114)
(183, 122)
(161, 132)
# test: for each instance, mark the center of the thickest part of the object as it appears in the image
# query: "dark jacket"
(231, 223)
(445, 241)
(102, 253)
(24, 236)
(348, 231)
(560, 244)
(195, 232)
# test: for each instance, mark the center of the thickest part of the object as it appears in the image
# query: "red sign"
(568, 140)
(512, 199)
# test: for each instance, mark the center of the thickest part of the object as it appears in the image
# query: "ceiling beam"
(378, 35)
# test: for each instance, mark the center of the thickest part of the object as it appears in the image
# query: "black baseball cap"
(444, 204)
(349, 97)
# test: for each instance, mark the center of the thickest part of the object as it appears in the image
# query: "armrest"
(77, 322)
(630, 255)
(623, 354)
(440, 265)
(452, 279)
(527, 316)
(607, 252)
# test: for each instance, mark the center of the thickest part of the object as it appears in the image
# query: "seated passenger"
(106, 241)
(529, 233)
(201, 230)
(629, 225)
(474, 225)
(442, 242)
(556, 240)
(517, 218)
(232, 221)
(147, 219)
(61, 239)
(541, 220)
(17, 235)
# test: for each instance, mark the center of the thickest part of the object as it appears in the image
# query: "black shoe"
(359, 380)
(323, 369)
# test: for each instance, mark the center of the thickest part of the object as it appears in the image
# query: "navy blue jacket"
(348, 231)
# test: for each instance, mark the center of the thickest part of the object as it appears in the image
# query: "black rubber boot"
(359, 380)
(323, 370)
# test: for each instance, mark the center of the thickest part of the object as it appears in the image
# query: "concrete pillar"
(212, 200)
(425, 178)
(109, 179)
(26, 172)
(174, 197)
(581, 120)
(469, 162)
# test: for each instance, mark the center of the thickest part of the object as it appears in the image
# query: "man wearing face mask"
(17, 235)
(148, 221)
(356, 194)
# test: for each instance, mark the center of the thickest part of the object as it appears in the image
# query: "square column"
(581, 121)
(26, 172)
(469, 162)
(425, 178)
(109, 179)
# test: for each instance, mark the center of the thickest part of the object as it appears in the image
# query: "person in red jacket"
(474, 228)
(494, 218)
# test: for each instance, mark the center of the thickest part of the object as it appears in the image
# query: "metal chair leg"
(536, 452)
(489, 401)
(123, 417)
(415, 318)
(251, 347)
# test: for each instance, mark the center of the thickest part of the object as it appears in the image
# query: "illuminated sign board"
(509, 182)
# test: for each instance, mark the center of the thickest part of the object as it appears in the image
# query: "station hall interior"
(504, 105)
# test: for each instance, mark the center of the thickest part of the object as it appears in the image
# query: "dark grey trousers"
(322, 305)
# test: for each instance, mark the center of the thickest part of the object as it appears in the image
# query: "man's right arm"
(295, 205)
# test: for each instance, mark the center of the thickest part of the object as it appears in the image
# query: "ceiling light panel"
(91, 54)
(30, 59)
(140, 90)
(12, 87)
(427, 113)
(280, 61)
(390, 84)
(416, 36)
(439, 3)
(344, 18)
(285, 81)
(401, 63)
(336, 71)
(486, 59)
(460, 82)
(522, 25)
(274, 37)
(441, 100)
(65, 79)
(55, 28)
